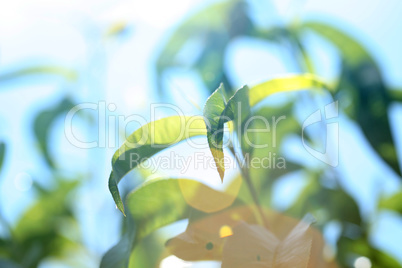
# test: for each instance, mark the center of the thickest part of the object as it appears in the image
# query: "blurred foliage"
(396, 94)
(361, 86)
(264, 178)
(211, 30)
(47, 229)
(177, 199)
(393, 203)
(119, 255)
(199, 44)
(43, 70)
(43, 123)
(351, 247)
(148, 253)
(332, 202)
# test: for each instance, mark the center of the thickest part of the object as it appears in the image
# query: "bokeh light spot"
(225, 231)
(362, 262)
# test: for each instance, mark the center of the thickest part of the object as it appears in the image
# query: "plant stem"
(250, 187)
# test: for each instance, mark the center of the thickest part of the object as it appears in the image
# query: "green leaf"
(2, 153)
(216, 113)
(176, 197)
(119, 255)
(43, 123)
(393, 202)
(151, 213)
(237, 109)
(66, 73)
(213, 109)
(147, 141)
(149, 252)
(362, 85)
(283, 84)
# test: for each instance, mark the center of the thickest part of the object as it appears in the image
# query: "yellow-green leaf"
(283, 84)
(213, 109)
(147, 141)
(393, 202)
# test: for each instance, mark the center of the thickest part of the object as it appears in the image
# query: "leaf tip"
(120, 207)
(221, 173)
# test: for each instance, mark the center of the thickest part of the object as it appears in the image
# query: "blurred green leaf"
(119, 255)
(210, 30)
(68, 74)
(351, 50)
(351, 248)
(281, 125)
(283, 84)
(393, 203)
(150, 213)
(47, 229)
(43, 123)
(147, 141)
(361, 84)
(370, 105)
(47, 211)
(396, 94)
(335, 203)
(176, 199)
(2, 153)
(148, 253)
